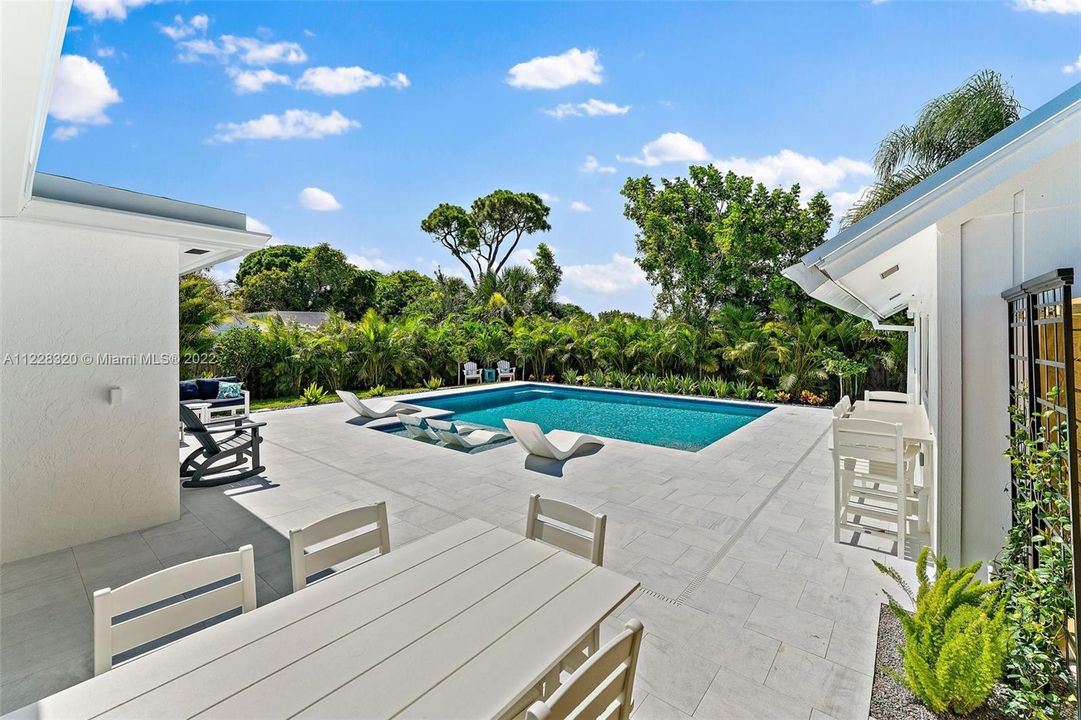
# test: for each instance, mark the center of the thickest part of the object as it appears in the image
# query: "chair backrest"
(376, 537)
(875, 440)
(470, 368)
(842, 407)
(503, 366)
(602, 687)
(133, 632)
(351, 400)
(589, 543)
(528, 434)
(444, 425)
(194, 426)
(413, 420)
(889, 396)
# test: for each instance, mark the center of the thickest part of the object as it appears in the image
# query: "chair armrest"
(234, 428)
(226, 419)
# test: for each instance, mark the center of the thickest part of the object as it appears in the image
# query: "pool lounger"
(416, 427)
(375, 408)
(474, 439)
(558, 444)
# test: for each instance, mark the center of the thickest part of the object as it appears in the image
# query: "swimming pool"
(680, 423)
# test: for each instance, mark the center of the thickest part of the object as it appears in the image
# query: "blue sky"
(347, 123)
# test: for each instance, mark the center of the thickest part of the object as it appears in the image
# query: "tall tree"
(201, 306)
(712, 238)
(483, 237)
(549, 275)
(947, 128)
(275, 257)
(396, 291)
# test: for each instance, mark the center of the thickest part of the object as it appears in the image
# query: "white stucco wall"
(73, 468)
(985, 248)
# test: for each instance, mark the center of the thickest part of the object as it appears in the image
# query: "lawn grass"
(280, 403)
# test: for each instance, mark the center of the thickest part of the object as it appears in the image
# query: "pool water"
(680, 423)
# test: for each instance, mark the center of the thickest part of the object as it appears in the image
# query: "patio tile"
(725, 570)
(181, 547)
(795, 627)
(666, 620)
(673, 673)
(813, 568)
(740, 650)
(840, 691)
(769, 582)
(665, 578)
(724, 602)
(15, 692)
(657, 547)
(50, 566)
(733, 697)
(653, 708)
(854, 647)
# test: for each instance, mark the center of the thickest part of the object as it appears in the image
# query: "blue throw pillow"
(208, 389)
(189, 390)
(228, 390)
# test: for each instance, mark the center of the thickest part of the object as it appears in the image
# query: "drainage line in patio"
(723, 551)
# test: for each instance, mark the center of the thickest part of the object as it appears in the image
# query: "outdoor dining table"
(916, 430)
(463, 623)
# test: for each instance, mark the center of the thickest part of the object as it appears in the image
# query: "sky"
(347, 123)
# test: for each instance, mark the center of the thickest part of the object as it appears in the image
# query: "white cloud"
(105, 52)
(590, 108)
(556, 71)
(309, 33)
(291, 124)
(619, 275)
(81, 91)
(313, 198)
(225, 272)
(579, 206)
(115, 9)
(66, 132)
(548, 198)
(788, 167)
(521, 256)
(255, 225)
(670, 147)
(372, 259)
(1058, 7)
(592, 165)
(1073, 67)
(253, 81)
(250, 51)
(841, 201)
(347, 80)
(180, 29)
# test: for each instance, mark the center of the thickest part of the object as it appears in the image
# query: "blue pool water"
(679, 423)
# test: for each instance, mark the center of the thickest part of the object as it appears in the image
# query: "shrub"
(313, 394)
(377, 391)
(765, 393)
(433, 383)
(570, 377)
(649, 383)
(595, 378)
(783, 396)
(742, 390)
(688, 386)
(812, 399)
(955, 643)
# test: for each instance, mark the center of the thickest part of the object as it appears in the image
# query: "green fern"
(956, 642)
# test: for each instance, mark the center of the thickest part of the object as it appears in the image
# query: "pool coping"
(430, 412)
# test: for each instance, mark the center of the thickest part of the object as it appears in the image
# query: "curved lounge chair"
(558, 444)
(452, 426)
(417, 427)
(474, 439)
(375, 407)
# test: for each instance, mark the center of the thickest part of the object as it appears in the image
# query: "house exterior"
(944, 252)
(304, 318)
(88, 322)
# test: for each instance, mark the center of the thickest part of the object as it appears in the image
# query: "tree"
(483, 237)
(396, 291)
(549, 275)
(201, 306)
(275, 257)
(712, 238)
(947, 128)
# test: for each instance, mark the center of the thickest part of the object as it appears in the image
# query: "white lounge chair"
(470, 371)
(375, 407)
(417, 427)
(474, 439)
(504, 370)
(452, 426)
(558, 444)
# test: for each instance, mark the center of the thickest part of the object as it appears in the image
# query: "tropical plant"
(742, 390)
(201, 306)
(1039, 599)
(670, 384)
(688, 386)
(956, 641)
(433, 383)
(594, 378)
(649, 382)
(377, 391)
(313, 394)
(947, 128)
(569, 377)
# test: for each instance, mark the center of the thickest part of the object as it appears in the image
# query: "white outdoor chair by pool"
(470, 371)
(889, 396)
(872, 483)
(375, 537)
(471, 438)
(452, 426)
(374, 407)
(504, 370)
(603, 687)
(588, 543)
(147, 592)
(417, 427)
(557, 445)
(842, 408)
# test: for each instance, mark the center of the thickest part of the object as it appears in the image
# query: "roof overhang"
(891, 236)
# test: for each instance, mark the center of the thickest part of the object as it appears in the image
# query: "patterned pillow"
(229, 390)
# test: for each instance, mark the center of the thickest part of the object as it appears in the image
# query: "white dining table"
(916, 430)
(463, 623)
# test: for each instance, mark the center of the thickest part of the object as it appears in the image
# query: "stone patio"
(751, 610)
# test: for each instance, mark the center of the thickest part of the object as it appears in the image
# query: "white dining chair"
(603, 687)
(889, 396)
(871, 479)
(227, 582)
(843, 407)
(371, 519)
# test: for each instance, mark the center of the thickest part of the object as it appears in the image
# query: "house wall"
(1023, 227)
(74, 468)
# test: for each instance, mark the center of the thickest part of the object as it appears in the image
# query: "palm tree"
(947, 128)
(201, 306)
(381, 347)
